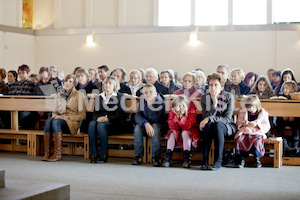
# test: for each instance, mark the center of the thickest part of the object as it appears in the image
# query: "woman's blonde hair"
(253, 100)
(82, 71)
(112, 80)
(71, 76)
(240, 72)
(181, 100)
(293, 86)
(190, 74)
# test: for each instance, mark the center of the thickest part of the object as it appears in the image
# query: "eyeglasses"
(21, 72)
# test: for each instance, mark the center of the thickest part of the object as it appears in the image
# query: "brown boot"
(47, 145)
(57, 147)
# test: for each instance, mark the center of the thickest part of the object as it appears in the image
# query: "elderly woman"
(135, 81)
(189, 89)
(69, 110)
(120, 74)
(3, 87)
(108, 118)
(200, 81)
(166, 78)
(152, 78)
(237, 77)
(217, 109)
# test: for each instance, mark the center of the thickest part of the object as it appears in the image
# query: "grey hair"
(240, 72)
(121, 69)
(136, 71)
(224, 66)
(153, 71)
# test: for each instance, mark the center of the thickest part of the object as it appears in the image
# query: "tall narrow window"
(212, 12)
(247, 12)
(174, 13)
(27, 14)
(286, 11)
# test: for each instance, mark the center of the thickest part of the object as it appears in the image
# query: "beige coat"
(74, 109)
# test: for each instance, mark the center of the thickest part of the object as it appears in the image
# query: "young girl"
(287, 88)
(183, 129)
(253, 123)
(262, 88)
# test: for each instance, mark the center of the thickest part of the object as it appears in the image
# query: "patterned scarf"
(64, 94)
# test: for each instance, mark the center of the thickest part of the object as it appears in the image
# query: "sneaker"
(241, 164)
(156, 162)
(137, 160)
(257, 164)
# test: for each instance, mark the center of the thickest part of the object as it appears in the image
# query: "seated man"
(152, 78)
(149, 118)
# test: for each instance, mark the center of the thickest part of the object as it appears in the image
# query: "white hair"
(153, 71)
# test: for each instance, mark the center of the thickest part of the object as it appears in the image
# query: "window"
(246, 12)
(212, 12)
(286, 11)
(174, 13)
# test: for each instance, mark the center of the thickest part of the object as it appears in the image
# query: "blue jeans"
(102, 129)
(56, 125)
(139, 132)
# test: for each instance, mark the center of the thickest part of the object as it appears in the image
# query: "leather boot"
(296, 142)
(47, 145)
(57, 147)
(186, 159)
(168, 158)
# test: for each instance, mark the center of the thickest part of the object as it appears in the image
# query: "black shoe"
(186, 159)
(168, 158)
(102, 159)
(156, 162)
(137, 160)
(204, 167)
(94, 159)
(166, 164)
(257, 164)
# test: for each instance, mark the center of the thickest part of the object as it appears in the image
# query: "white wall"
(11, 12)
(16, 49)
(252, 51)
(43, 14)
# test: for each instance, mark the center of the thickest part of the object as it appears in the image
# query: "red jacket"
(188, 123)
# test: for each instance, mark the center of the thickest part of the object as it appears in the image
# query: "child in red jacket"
(183, 130)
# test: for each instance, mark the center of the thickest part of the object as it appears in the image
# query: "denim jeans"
(139, 132)
(101, 129)
(56, 125)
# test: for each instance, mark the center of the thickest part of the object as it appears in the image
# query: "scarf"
(64, 94)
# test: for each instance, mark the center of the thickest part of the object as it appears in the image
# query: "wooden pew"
(37, 103)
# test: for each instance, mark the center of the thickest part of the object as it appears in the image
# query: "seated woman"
(237, 77)
(286, 75)
(217, 109)
(250, 79)
(108, 118)
(12, 76)
(200, 84)
(135, 81)
(69, 110)
(189, 89)
(166, 78)
(120, 74)
(87, 87)
(262, 88)
(3, 87)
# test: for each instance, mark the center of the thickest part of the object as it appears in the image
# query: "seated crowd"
(182, 127)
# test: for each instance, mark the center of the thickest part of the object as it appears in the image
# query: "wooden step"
(17, 189)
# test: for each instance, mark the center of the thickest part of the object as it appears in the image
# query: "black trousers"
(214, 131)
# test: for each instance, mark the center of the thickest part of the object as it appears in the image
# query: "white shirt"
(106, 100)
